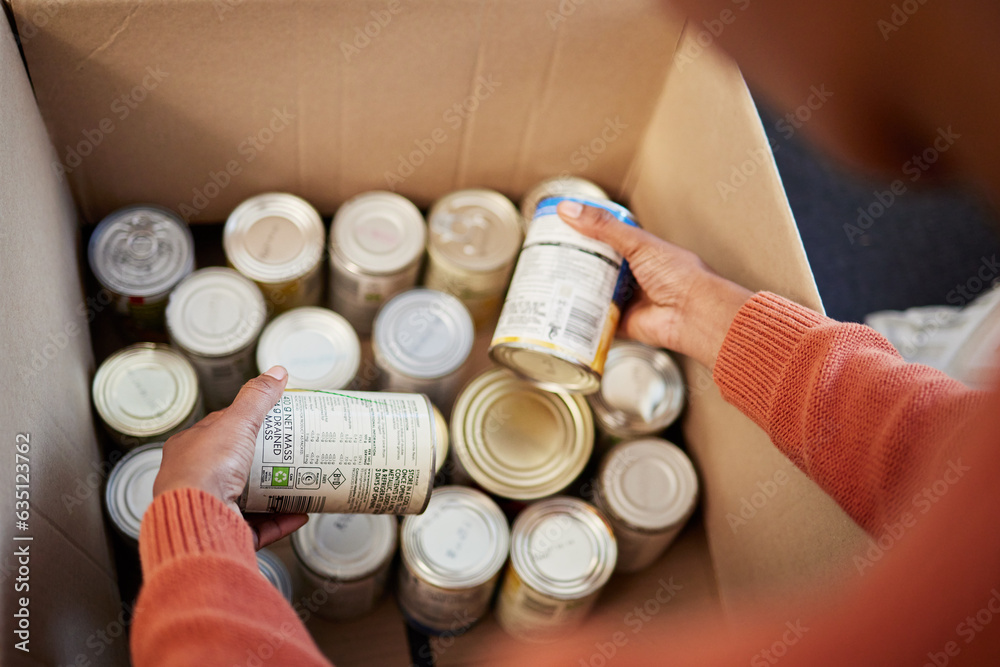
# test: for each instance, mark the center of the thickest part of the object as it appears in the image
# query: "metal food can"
(130, 489)
(564, 302)
(343, 452)
(648, 489)
(473, 242)
(451, 560)
(517, 441)
(376, 244)
(273, 569)
(441, 437)
(562, 553)
(421, 343)
(558, 186)
(138, 254)
(642, 391)
(347, 557)
(317, 347)
(277, 240)
(214, 317)
(146, 392)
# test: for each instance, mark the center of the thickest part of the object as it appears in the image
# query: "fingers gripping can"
(564, 302)
(344, 453)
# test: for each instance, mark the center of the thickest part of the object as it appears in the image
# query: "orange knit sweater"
(902, 448)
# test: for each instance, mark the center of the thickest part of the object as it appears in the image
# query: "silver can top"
(559, 186)
(460, 541)
(478, 230)
(642, 390)
(441, 438)
(378, 232)
(274, 238)
(649, 484)
(318, 348)
(141, 251)
(274, 570)
(145, 389)
(130, 487)
(215, 312)
(345, 547)
(423, 333)
(563, 547)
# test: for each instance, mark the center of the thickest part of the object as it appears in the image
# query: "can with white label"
(562, 553)
(421, 342)
(343, 452)
(642, 391)
(347, 557)
(473, 241)
(273, 569)
(451, 560)
(317, 347)
(138, 254)
(376, 244)
(648, 489)
(146, 392)
(214, 317)
(557, 186)
(277, 240)
(517, 441)
(130, 489)
(564, 302)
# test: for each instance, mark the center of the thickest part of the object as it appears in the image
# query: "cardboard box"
(197, 105)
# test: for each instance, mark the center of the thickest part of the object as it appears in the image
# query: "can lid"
(642, 390)
(649, 484)
(423, 333)
(558, 186)
(379, 232)
(478, 230)
(318, 348)
(345, 546)
(274, 237)
(563, 547)
(440, 437)
(145, 389)
(274, 570)
(460, 541)
(215, 312)
(518, 441)
(141, 250)
(130, 487)
(549, 369)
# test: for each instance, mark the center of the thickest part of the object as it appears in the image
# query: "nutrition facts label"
(344, 452)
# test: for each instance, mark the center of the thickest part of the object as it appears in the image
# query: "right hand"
(682, 304)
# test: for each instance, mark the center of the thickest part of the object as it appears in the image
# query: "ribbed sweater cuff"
(190, 522)
(757, 349)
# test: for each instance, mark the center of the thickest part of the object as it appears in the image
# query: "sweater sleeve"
(203, 599)
(842, 405)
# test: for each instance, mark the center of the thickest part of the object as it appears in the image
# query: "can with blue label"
(564, 303)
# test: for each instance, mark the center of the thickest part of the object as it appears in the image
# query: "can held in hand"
(559, 186)
(376, 244)
(562, 553)
(317, 347)
(345, 452)
(146, 392)
(564, 302)
(421, 343)
(277, 241)
(473, 241)
(642, 391)
(347, 557)
(648, 490)
(130, 489)
(451, 560)
(138, 254)
(214, 317)
(517, 441)
(274, 570)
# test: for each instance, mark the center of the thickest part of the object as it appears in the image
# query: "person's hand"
(215, 454)
(682, 304)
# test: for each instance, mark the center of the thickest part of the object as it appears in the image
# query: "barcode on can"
(584, 322)
(296, 504)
